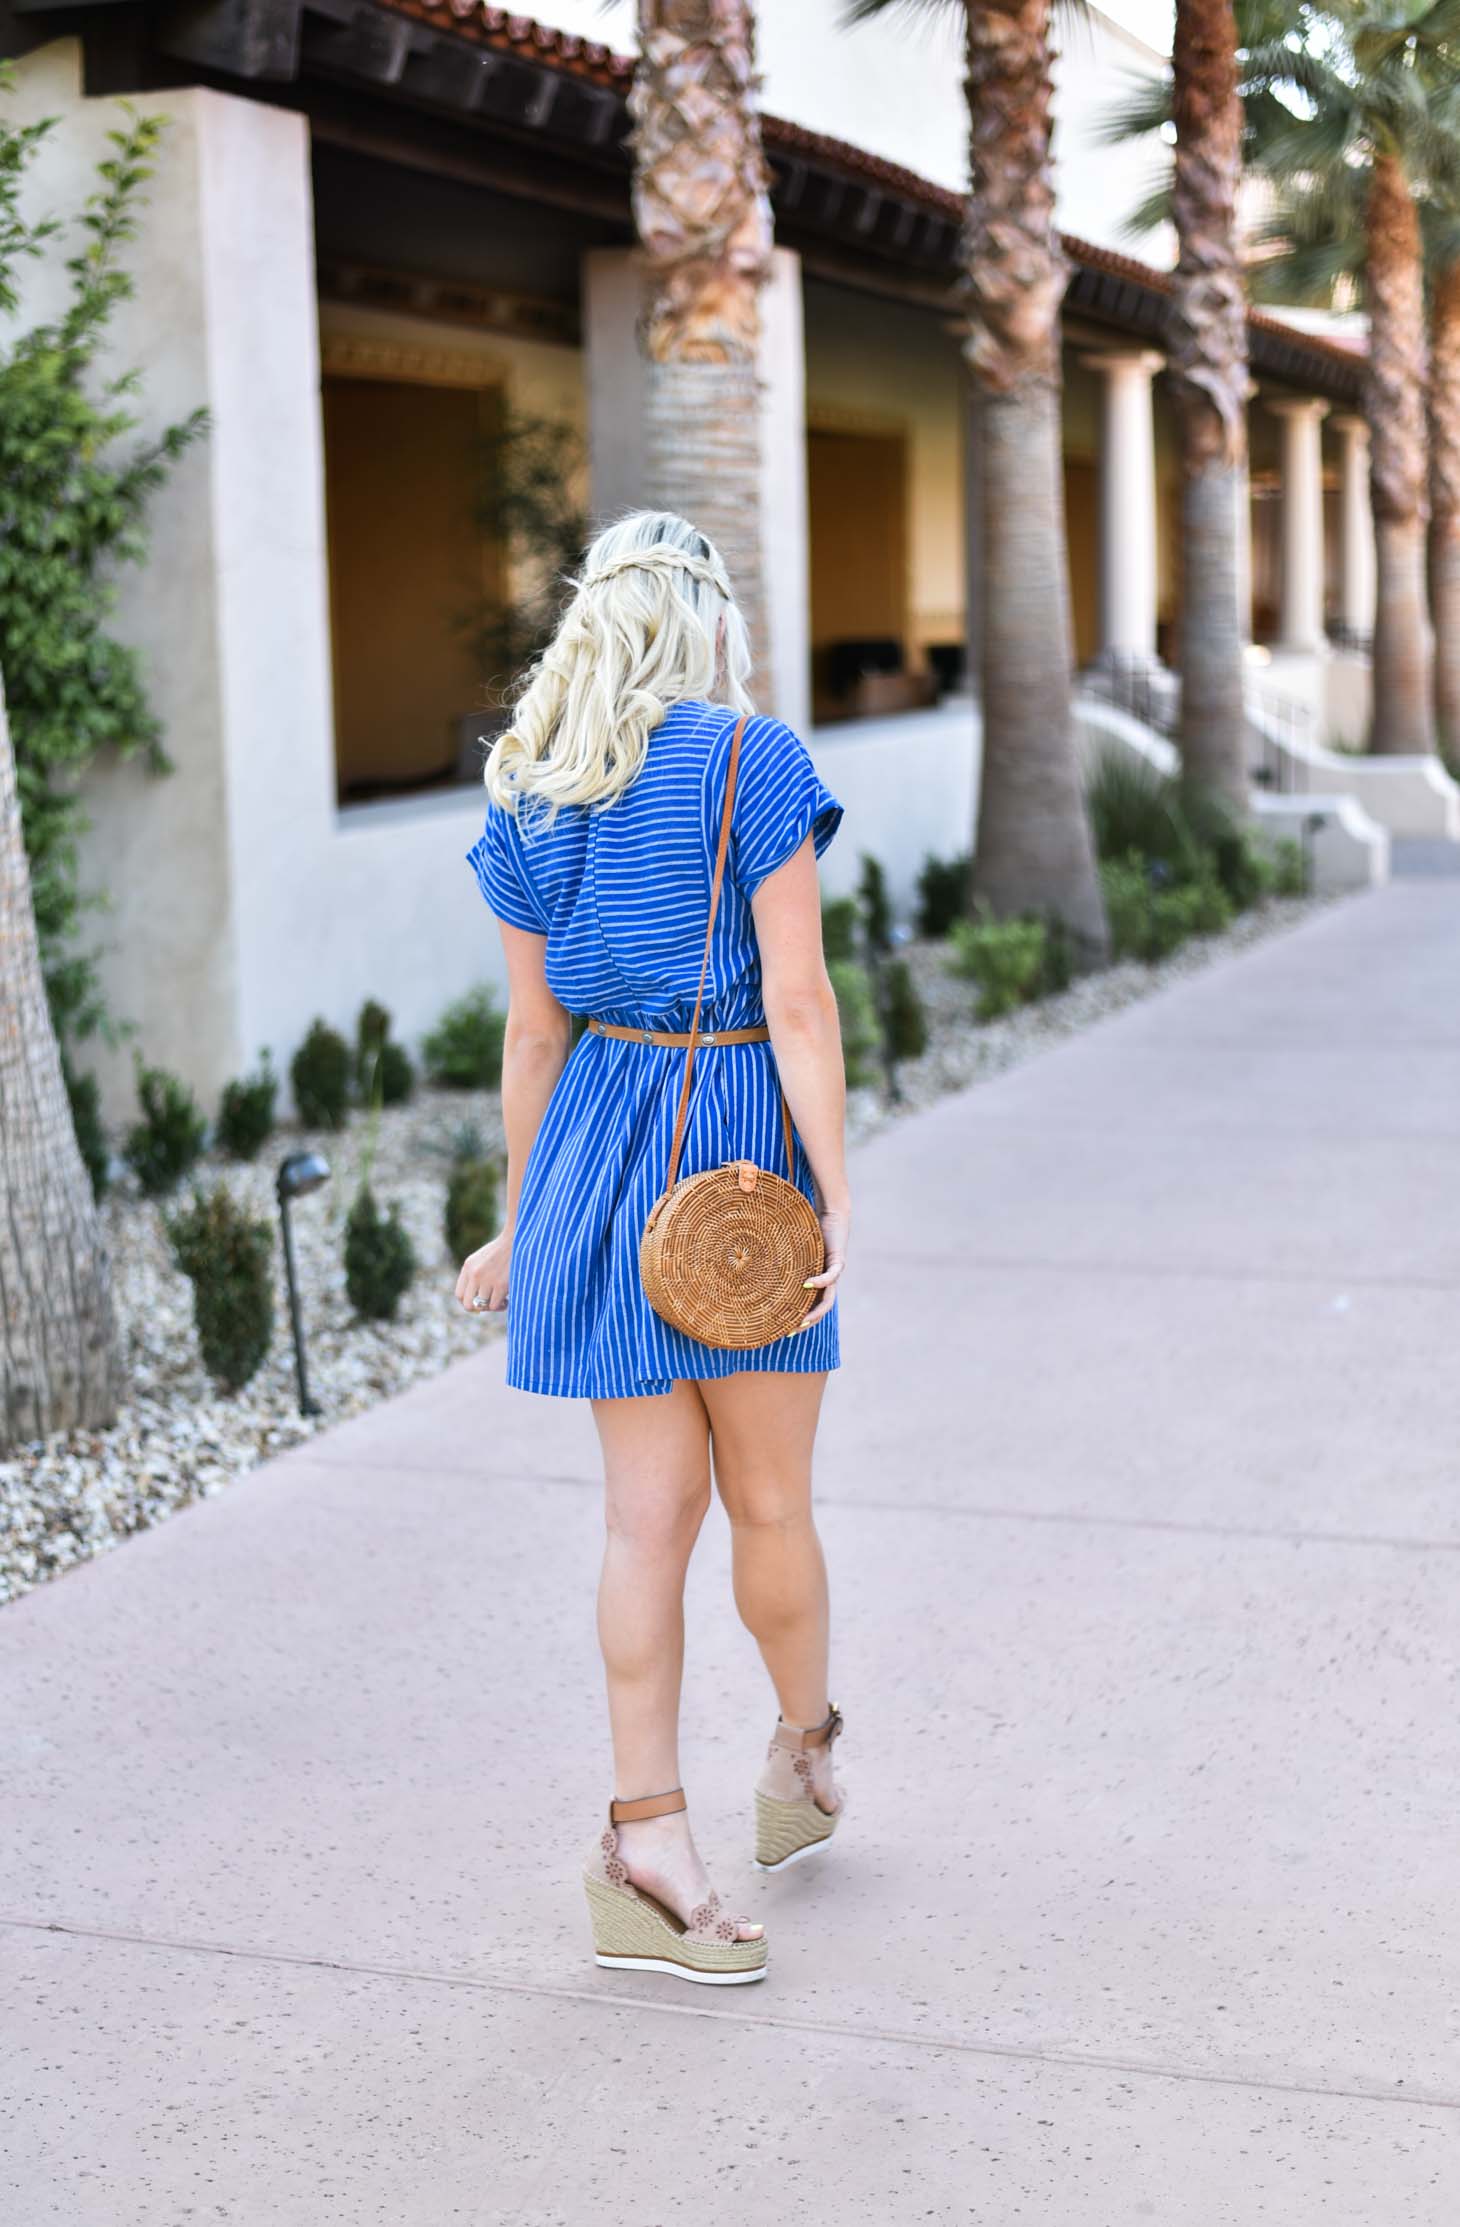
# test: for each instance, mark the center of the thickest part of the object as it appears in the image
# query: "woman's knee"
(767, 1500)
(661, 1522)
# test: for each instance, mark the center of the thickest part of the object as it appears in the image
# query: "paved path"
(1141, 1496)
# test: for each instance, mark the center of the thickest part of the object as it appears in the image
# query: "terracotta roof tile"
(507, 31)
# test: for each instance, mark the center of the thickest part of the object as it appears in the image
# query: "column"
(1127, 507)
(612, 288)
(1357, 587)
(1301, 626)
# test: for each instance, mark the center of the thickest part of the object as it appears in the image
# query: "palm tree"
(703, 216)
(1442, 262)
(1033, 850)
(1207, 345)
(1347, 174)
(58, 1351)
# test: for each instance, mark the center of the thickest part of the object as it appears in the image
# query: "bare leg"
(763, 1426)
(656, 1462)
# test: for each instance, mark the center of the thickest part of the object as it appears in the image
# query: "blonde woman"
(604, 811)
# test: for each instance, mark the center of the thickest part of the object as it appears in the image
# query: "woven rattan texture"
(729, 1266)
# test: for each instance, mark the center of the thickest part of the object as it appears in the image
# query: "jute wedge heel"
(634, 1932)
(790, 1823)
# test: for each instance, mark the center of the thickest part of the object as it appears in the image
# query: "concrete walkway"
(1142, 1498)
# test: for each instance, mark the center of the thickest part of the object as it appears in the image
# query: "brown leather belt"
(681, 1043)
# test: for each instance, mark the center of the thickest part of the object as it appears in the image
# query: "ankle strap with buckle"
(647, 1805)
(800, 1737)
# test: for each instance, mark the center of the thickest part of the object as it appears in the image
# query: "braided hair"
(652, 620)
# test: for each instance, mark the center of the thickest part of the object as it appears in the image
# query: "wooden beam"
(240, 38)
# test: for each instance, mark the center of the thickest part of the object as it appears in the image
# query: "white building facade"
(378, 232)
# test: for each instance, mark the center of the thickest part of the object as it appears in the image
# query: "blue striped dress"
(622, 895)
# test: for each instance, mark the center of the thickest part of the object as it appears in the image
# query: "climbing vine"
(74, 490)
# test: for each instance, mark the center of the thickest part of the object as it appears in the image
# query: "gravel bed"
(179, 1439)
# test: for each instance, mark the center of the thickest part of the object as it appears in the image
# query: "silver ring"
(478, 1304)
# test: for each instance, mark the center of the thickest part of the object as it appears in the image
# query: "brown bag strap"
(721, 849)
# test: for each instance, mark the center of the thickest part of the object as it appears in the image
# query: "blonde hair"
(640, 634)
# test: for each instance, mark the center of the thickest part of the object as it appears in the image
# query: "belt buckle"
(708, 1039)
(648, 1035)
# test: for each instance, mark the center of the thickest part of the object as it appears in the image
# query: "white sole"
(797, 1856)
(680, 1971)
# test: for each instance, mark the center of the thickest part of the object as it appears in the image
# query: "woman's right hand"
(836, 1224)
(482, 1285)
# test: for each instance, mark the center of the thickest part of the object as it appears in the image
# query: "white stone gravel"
(179, 1439)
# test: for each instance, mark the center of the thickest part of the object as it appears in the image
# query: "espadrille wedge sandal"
(790, 1822)
(634, 1932)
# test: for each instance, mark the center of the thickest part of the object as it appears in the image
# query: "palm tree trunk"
(1395, 408)
(58, 1353)
(1444, 416)
(1034, 850)
(703, 216)
(1207, 343)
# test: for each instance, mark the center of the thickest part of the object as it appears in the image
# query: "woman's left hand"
(482, 1285)
(835, 1225)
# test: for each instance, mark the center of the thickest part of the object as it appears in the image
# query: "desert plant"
(227, 1253)
(861, 1037)
(85, 1099)
(904, 1023)
(839, 928)
(384, 1074)
(874, 907)
(1006, 958)
(168, 1140)
(471, 1206)
(942, 894)
(464, 1049)
(320, 1074)
(246, 1113)
(379, 1258)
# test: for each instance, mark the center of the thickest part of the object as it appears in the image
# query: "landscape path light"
(299, 1174)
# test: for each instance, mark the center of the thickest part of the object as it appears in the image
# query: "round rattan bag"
(726, 1255)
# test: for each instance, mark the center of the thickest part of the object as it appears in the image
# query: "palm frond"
(1143, 108)
(1153, 209)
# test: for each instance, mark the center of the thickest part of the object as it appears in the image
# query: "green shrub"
(942, 894)
(861, 1036)
(874, 906)
(320, 1074)
(168, 1140)
(1006, 958)
(379, 1258)
(1134, 809)
(1127, 895)
(1150, 917)
(904, 1023)
(1289, 869)
(226, 1253)
(471, 1207)
(246, 1113)
(839, 929)
(384, 1074)
(464, 1049)
(1058, 970)
(86, 1121)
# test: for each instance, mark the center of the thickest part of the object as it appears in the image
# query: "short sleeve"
(780, 799)
(496, 860)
